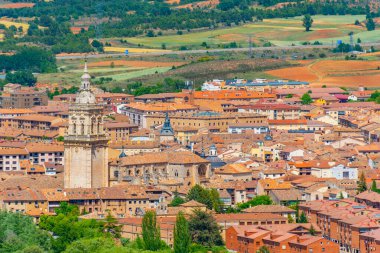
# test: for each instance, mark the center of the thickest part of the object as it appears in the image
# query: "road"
(202, 51)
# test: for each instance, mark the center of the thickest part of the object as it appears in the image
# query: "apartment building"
(10, 158)
(33, 122)
(120, 131)
(16, 96)
(206, 119)
(137, 112)
(290, 238)
(273, 111)
(342, 221)
(40, 153)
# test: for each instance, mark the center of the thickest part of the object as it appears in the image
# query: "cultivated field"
(6, 5)
(326, 29)
(339, 73)
(8, 23)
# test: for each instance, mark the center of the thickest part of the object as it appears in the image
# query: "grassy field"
(277, 31)
(131, 50)
(9, 23)
(123, 69)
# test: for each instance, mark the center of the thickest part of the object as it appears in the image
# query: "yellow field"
(8, 23)
(132, 50)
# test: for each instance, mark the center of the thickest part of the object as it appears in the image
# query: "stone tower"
(86, 142)
(167, 132)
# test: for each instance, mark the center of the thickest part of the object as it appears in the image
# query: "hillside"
(71, 25)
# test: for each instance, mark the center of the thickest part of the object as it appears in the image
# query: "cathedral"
(86, 142)
(86, 153)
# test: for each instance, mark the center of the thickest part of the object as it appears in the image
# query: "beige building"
(16, 96)
(273, 111)
(205, 119)
(137, 112)
(120, 131)
(182, 168)
(86, 142)
(30, 202)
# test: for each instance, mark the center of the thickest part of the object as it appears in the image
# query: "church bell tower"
(86, 142)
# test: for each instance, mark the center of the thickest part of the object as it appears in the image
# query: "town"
(292, 168)
(189, 126)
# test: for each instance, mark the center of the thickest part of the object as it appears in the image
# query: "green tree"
(182, 239)
(111, 226)
(290, 218)
(370, 24)
(362, 185)
(374, 186)
(151, 231)
(256, 201)
(297, 208)
(33, 249)
(307, 22)
(60, 138)
(341, 195)
(67, 228)
(303, 218)
(263, 249)
(21, 77)
(177, 200)
(217, 204)
(93, 245)
(306, 99)
(312, 230)
(289, 96)
(18, 233)
(204, 229)
(201, 195)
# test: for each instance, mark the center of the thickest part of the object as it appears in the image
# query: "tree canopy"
(204, 229)
(306, 99)
(18, 233)
(182, 239)
(209, 197)
(307, 22)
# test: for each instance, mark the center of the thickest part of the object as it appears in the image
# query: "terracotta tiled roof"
(44, 147)
(193, 203)
(160, 107)
(370, 196)
(21, 195)
(287, 122)
(272, 184)
(269, 209)
(234, 168)
(37, 117)
(181, 157)
(248, 216)
(369, 148)
(15, 111)
(231, 94)
(13, 151)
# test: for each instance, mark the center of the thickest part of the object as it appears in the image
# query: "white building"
(212, 85)
(335, 171)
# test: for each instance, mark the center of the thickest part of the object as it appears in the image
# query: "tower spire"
(85, 77)
(85, 95)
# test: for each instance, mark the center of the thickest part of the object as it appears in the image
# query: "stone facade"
(86, 142)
